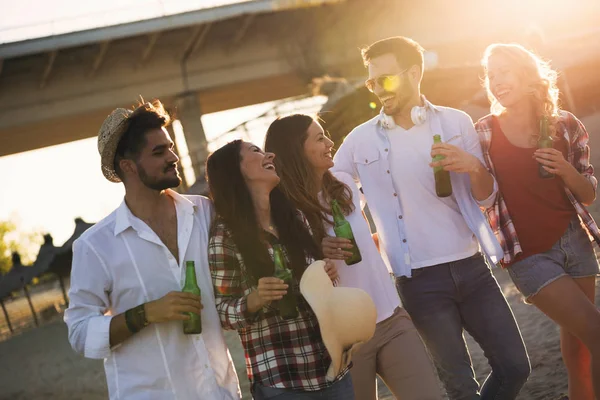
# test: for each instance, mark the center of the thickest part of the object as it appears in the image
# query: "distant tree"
(11, 240)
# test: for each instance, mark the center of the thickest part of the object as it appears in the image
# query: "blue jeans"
(340, 390)
(444, 299)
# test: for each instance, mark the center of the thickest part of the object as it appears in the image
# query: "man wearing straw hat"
(126, 304)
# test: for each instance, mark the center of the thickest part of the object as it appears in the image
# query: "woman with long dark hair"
(540, 216)
(395, 352)
(285, 358)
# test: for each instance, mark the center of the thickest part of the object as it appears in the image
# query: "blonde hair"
(536, 74)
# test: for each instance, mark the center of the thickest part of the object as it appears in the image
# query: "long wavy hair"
(286, 137)
(536, 74)
(233, 205)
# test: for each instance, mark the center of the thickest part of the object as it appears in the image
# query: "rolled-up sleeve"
(581, 151)
(231, 289)
(473, 146)
(89, 327)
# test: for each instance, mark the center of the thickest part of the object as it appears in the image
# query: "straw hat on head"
(111, 132)
(347, 316)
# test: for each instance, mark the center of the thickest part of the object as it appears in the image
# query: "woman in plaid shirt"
(284, 358)
(542, 224)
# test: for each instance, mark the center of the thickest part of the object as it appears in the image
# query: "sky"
(30, 196)
(26, 19)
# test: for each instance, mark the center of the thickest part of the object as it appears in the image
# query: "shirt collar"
(382, 117)
(125, 218)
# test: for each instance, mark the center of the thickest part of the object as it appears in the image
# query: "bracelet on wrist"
(135, 318)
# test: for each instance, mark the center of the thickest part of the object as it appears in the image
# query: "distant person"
(436, 246)
(286, 357)
(540, 215)
(126, 304)
(395, 353)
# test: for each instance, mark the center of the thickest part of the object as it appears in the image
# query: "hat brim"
(107, 156)
(327, 302)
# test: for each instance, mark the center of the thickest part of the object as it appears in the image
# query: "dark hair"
(233, 204)
(286, 137)
(407, 51)
(145, 117)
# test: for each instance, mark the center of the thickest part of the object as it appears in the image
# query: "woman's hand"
(333, 248)
(554, 162)
(269, 289)
(331, 270)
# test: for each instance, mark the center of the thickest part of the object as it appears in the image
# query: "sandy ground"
(39, 363)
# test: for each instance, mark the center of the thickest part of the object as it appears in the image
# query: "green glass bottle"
(544, 142)
(443, 185)
(342, 229)
(194, 324)
(288, 305)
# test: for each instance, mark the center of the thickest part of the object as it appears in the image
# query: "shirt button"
(366, 160)
(403, 240)
(386, 149)
(400, 216)
(395, 194)
(388, 171)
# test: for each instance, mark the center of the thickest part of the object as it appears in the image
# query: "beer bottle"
(443, 185)
(288, 306)
(544, 142)
(342, 229)
(194, 324)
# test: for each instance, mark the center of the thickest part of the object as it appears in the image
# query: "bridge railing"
(255, 129)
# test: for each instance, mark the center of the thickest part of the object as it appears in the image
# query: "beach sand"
(38, 363)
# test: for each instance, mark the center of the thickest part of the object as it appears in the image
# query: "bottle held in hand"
(342, 229)
(288, 305)
(194, 324)
(443, 185)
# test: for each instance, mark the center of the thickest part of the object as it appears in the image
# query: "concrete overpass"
(59, 89)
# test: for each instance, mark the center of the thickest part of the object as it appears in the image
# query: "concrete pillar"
(184, 184)
(188, 113)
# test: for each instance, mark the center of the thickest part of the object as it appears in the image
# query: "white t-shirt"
(436, 231)
(371, 274)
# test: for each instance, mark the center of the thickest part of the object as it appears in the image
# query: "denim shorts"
(573, 255)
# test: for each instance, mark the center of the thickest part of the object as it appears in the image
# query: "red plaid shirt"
(287, 354)
(578, 155)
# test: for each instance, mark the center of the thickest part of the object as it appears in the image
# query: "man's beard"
(402, 97)
(158, 183)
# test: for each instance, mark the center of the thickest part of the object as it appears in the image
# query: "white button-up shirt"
(120, 263)
(364, 155)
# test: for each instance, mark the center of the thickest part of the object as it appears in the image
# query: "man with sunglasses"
(436, 246)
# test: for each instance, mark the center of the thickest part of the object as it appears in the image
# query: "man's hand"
(172, 307)
(456, 159)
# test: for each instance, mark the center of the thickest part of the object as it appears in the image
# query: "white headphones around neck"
(418, 116)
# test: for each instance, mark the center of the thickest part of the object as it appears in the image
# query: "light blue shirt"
(364, 155)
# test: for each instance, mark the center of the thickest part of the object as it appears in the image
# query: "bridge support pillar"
(189, 113)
